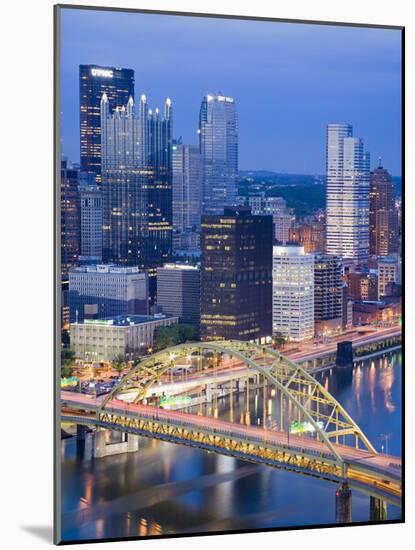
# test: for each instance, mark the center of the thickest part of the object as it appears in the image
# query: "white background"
(26, 206)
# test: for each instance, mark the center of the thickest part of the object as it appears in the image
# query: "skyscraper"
(328, 293)
(236, 276)
(94, 81)
(383, 215)
(137, 186)
(293, 292)
(347, 194)
(186, 187)
(91, 220)
(70, 217)
(218, 134)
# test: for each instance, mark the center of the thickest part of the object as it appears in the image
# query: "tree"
(67, 362)
(66, 371)
(119, 364)
(278, 340)
(165, 337)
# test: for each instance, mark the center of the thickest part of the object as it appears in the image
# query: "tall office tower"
(293, 292)
(94, 81)
(99, 291)
(186, 187)
(328, 293)
(70, 218)
(218, 140)
(137, 186)
(348, 180)
(383, 215)
(91, 219)
(236, 276)
(178, 292)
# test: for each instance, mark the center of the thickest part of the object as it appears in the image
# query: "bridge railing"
(231, 434)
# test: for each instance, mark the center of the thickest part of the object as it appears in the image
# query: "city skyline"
(349, 82)
(254, 316)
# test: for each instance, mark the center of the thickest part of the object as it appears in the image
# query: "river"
(165, 488)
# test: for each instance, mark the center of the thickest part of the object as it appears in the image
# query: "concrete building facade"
(293, 293)
(101, 291)
(178, 292)
(128, 336)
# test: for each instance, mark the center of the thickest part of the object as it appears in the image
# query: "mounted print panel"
(229, 274)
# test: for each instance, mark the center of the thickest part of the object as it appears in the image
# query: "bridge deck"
(363, 467)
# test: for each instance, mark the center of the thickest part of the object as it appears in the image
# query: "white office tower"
(348, 184)
(293, 292)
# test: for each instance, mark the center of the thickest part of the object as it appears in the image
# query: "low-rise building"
(388, 272)
(381, 312)
(105, 339)
(178, 291)
(104, 291)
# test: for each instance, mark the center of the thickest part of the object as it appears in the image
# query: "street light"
(386, 437)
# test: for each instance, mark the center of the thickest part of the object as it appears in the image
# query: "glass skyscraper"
(137, 185)
(186, 187)
(70, 217)
(236, 277)
(94, 81)
(348, 180)
(218, 134)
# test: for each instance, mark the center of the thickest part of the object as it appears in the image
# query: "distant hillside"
(303, 192)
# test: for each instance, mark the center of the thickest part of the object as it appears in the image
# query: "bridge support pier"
(343, 504)
(132, 443)
(378, 510)
(81, 432)
(128, 444)
(344, 355)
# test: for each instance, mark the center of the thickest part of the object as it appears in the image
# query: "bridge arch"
(292, 380)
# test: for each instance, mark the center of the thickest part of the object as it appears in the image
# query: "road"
(314, 351)
(374, 470)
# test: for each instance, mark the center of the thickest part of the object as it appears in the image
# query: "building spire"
(167, 108)
(380, 162)
(130, 106)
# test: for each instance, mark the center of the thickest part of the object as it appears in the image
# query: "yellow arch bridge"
(336, 449)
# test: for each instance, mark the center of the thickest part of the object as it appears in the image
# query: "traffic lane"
(380, 462)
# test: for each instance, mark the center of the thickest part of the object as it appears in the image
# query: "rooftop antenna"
(380, 162)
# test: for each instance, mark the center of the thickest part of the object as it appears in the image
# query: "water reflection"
(166, 488)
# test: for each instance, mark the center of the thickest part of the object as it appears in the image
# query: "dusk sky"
(288, 80)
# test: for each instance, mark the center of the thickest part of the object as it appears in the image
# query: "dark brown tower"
(236, 278)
